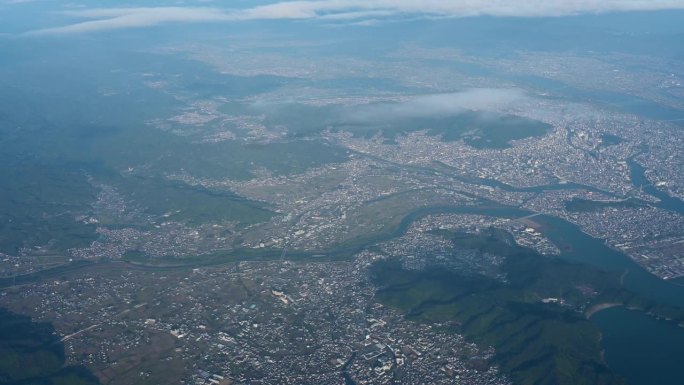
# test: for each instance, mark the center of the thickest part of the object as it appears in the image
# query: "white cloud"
(440, 105)
(13, 2)
(120, 18)
(354, 10)
(457, 8)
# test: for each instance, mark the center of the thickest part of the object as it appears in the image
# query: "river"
(646, 350)
(631, 338)
(627, 351)
(637, 346)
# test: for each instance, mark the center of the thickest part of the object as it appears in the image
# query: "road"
(91, 327)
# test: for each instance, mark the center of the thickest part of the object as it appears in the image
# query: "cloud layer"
(120, 18)
(440, 105)
(355, 10)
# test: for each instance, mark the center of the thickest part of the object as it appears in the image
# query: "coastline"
(599, 307)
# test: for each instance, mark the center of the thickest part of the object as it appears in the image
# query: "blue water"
(646, 350)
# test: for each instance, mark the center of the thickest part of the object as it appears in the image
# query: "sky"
(88, 19)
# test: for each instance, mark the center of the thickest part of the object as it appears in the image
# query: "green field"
(476, 129)
(39, 204)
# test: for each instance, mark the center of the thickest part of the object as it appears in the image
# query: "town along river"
(627, 351)
(637, 346)
(642, 348)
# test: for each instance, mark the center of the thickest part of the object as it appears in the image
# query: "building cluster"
(249, 322)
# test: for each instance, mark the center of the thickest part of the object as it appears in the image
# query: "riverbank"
(599, 307)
